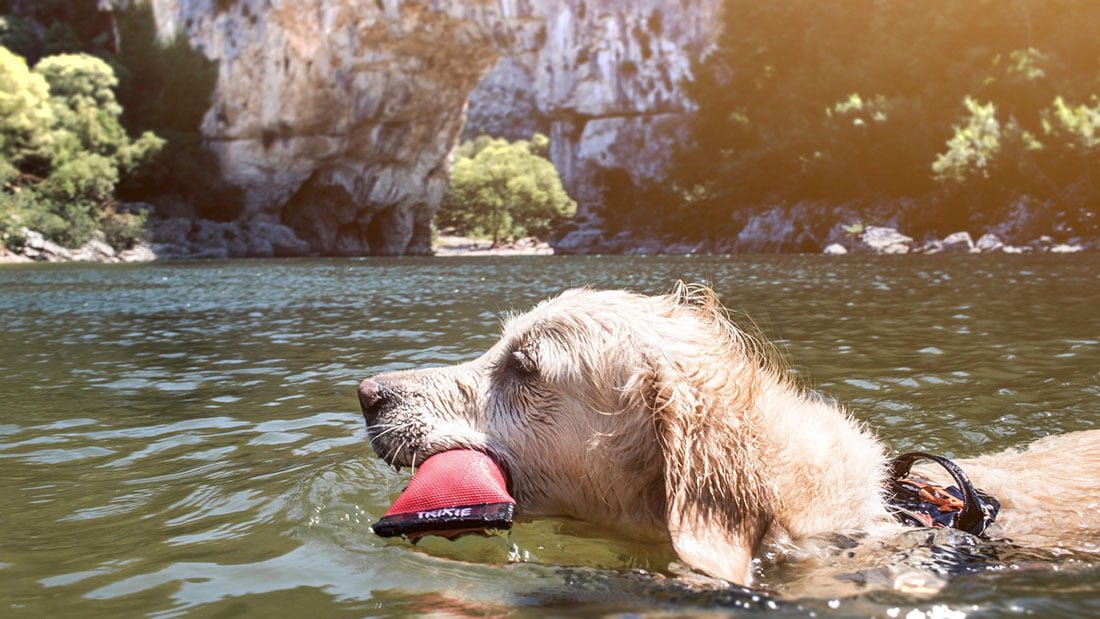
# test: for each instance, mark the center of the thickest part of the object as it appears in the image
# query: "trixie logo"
(446, 512)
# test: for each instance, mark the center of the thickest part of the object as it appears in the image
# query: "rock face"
(602, 80)
(337, 117)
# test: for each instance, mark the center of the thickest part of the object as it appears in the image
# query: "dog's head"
(632, 411)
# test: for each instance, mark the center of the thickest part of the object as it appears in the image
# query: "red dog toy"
(452, 493)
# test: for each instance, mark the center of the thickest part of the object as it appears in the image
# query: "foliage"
(501, 189)
(973, 147)
(25, 113)
(1077, 127)
(844, 101)
(123, 229)
(164, 89)
(64, 163)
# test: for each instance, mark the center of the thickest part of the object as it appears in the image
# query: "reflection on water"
(185, 437)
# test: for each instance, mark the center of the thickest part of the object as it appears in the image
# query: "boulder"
(835, 249)
(138, 253)
(96, 250)
(958, 243)
(879, 240)
(1066, 248)
(37, 247)
(580, 242)
(989, 243)
(273, 239)
(931, 246)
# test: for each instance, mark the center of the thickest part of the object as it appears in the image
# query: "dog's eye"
(524, 361)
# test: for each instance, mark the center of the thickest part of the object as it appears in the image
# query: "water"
(184, 438)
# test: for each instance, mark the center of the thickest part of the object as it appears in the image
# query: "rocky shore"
(869, 240)
(180, 238)
(798, 229)
(36, 248)
(815, 228)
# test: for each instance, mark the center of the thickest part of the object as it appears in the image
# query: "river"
(184, 438)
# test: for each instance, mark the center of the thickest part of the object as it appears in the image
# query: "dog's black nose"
(370, 399)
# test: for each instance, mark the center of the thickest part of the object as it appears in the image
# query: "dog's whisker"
(386, 431)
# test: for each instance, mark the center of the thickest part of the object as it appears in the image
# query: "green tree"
(501, 189)
(87, 116)
(25, 115)
(66, 137)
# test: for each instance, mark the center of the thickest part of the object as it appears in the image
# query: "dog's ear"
(715, 496)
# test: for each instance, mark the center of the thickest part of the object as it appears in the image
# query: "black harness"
(920, 503)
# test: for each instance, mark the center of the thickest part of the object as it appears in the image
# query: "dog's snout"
(371, 398)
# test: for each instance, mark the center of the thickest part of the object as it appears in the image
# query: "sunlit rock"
(879, 240)
(989, 242)
(1066, 248)
(958, 243)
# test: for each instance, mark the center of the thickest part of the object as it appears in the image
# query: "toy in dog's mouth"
(452, 493)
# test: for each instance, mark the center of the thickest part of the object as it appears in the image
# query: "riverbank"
(211, 241)
(884, 227)
(450, 245)
(852, 239)
(35, 247)
(772, 232)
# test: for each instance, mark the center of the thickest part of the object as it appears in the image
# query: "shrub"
(501, 189)
(63, 149)
(973, 147)
(84, 177)
(86, 113)
(123, 230)
(25, 113)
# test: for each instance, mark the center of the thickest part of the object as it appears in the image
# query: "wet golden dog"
(658, 418)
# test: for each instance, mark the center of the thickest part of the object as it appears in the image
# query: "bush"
(501, 189)
(123, 230)
(25, 113)
(63, 149)
(86, 113)
(85, 177)
(971, 151)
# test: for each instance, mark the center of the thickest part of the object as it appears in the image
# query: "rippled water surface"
(184, 438)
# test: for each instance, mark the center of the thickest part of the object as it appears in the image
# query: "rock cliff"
(338, 117)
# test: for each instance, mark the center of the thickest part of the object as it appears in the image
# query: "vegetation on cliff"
(63, 150)
(85, 127)
(967, 106)
(502, 189)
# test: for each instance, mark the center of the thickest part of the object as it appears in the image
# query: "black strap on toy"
(961, 506)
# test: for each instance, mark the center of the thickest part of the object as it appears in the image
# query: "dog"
(659, 419)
